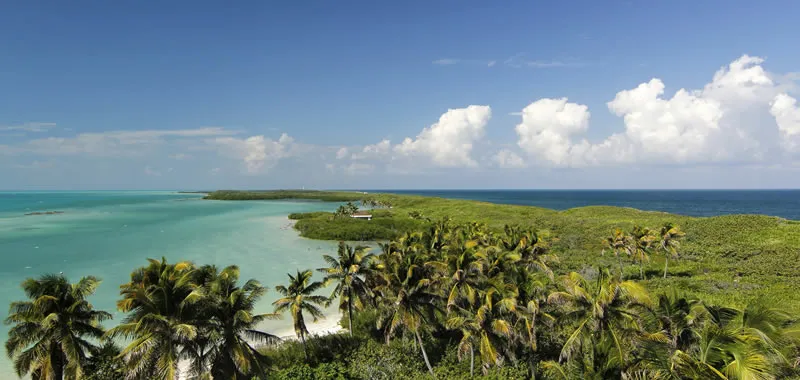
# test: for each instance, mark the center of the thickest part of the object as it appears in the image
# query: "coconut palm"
(599, 361)
(487, 327)
(164, 317)
(532, 251)
(670, 332)
(607, 310)
(348, 271)
(464, 269)
(497, 261)
(47, 339)
(299, 297)
(616, 243)
(668, 241)
(531, 290)
(703, 341)
(409, 297)
(639, 243)
(235, 323)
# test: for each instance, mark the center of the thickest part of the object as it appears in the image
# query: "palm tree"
(348, 271)
(48, 337)
(695, 340)
(616, 243)
(164, 317)
(351, 208)
(599, 361)
(668, 242)
(235, 323)
(299, 297)
(487, 327)
(638, 244)
(409, 296)
(531, 295)
(465, 271)
(531, 249)
(670, 333)
(607, 310)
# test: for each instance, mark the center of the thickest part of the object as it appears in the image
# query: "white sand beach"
(326, 326)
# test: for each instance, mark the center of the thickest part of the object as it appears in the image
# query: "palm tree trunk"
(305, 348)
(424, 354)
(666, 264)
(57, 359)
(350, 311)
(471, 362)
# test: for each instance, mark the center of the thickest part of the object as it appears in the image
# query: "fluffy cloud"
(372, 151)
(341, 153)
(508, 159)
(679, 129)
(449, 142)
(741, 115)
(787, 114)
(547, 125)
(257, 152)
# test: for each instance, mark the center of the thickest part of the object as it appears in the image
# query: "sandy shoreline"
(327, 326)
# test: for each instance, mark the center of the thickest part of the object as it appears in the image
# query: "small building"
(362, 215)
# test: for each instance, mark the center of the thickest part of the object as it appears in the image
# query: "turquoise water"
(107, 234)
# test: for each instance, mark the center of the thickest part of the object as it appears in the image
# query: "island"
(44, 213)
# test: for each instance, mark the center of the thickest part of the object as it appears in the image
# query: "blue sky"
(506, 94)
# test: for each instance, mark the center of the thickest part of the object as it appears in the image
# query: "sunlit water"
(108, 234)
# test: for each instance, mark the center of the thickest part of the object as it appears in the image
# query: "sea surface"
(781, 203)
(108, 234)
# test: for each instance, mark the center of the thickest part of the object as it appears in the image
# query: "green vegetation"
(299, 297)
(345, 210)
(327, 196)
(516, 293)
(347, 272)
(728, 259)
(48, 337)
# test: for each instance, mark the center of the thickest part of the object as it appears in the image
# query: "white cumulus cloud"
(740, 116)
(449, 142)
(787, 114)
(372, 151)
(257, 152)
(547, 126)
(508, 159)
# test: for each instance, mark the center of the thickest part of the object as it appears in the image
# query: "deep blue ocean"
(782, 203)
